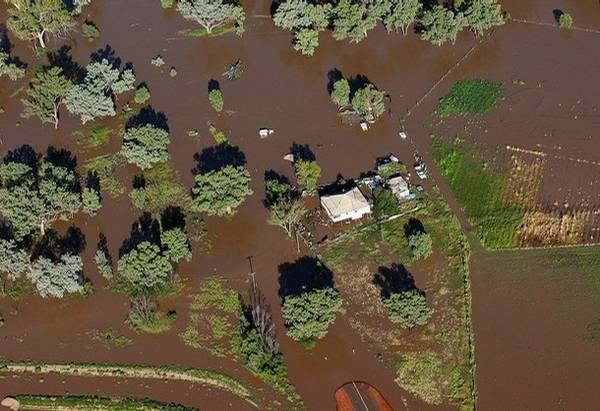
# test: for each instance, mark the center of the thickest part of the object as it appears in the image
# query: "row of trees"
(352, 20)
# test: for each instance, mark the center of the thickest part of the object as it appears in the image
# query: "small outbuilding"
(399, 187)
(348, 205)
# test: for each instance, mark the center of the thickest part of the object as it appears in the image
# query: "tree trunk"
(41, 39)
(55, 116)
(42, 228)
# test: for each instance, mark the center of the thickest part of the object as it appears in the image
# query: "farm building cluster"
(353, 200)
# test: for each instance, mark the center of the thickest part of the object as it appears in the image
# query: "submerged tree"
(287, 214)
(222, 191)
(368, 103)
(13, 260)
(401, 14)
(9, 67)
(145, 146)
(57, 278)
(212, 14)
(34, 19)
(33, 196)
(482, 15)
(307, 175)
(145, 267)
(305, 20)
(309, 314)
(442, 25)
(46, 94)
(94, 97)
(352, 20)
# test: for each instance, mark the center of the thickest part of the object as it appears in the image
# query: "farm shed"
(349, 205)
(399, 187)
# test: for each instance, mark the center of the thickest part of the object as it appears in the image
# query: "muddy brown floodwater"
(286, 92)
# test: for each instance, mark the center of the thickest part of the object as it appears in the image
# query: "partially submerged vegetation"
(76, 403)
(470, 97)
(438, 373)
(195, 376)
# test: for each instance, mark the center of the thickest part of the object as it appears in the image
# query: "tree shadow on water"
(394, 279)
(216, 157)
(144, 229)
(53, 245)
(63, 59)
(172, 217)
(302, 152)
(146, 116)
(304, 274)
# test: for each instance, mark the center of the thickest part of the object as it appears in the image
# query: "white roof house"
(350, 205)
(399, 187)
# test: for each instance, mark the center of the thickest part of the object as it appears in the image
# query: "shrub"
(385, 203)
(91, 201)
(173, 72)
(157, 61)
(565, 21)
(470, 97)
(142, 94)
(166, 4)
(99, 135)
(215, 96)
(90, 30)
(408, 308)
(103, 263)
(154, 323)
(421, 245)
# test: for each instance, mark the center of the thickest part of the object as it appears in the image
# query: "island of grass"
(470, 97)
(84, 403)
(432, 356)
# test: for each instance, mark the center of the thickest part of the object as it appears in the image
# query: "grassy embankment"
(203, 377)
(435, 362)
(215, 326)
(83, 403)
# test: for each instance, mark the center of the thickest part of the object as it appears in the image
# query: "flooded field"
(555, 111)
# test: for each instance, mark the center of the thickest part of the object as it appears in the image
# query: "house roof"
(398, 183)
(338, 204)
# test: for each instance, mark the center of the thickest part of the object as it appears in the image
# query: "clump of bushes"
(421, 245)
(215, 97)
(157, 61)
(358, 99)
(142, 95)
(167, 4)
(565, 21)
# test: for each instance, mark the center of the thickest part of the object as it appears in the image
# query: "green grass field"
(470, 97)
(479, 192)
(83, 403)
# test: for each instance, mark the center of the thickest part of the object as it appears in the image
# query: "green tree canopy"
(287, 214)
(340, 94)
(10, 68)
(400, 14)
(421, 245)
(145, 146)
(34, 19)
(442, 25)
(565, 21)
(482, 15)
(94, 96)
(46, 93)
(309, 315)
(305, 20)
(222, 191)
(145, 267)
(13, 259)
(308, 174)
(176, 244)
(55, 279)
(408, 308)
(215, 97)
(352, 20)
(211, 14)
(368, 103)
(33, 198)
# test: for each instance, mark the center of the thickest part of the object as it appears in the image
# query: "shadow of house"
(145, 229)
(148, 116)
(304, 274)
(216, 157)
(393, 280)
